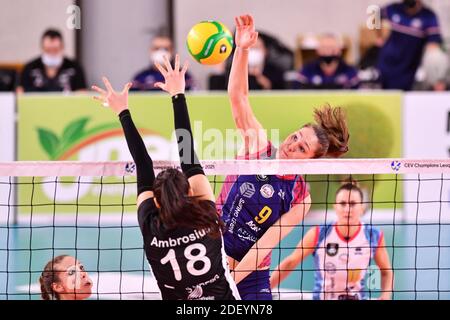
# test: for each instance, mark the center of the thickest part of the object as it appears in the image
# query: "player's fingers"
(99, 90)
(177, 63)
(237, 21)
(250, 20)
(161, 69)
(167, 63)
(185, 67)
(160, 85)
(107, 84)
(127, 87)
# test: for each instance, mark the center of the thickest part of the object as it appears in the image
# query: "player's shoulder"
(33, 64)
(428, 13)
(395, 8)
(324, 231)
(146, 210)
(371, 232)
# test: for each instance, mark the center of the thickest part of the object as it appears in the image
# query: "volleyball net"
(88, 211)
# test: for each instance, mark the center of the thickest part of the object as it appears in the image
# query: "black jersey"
(187, 263)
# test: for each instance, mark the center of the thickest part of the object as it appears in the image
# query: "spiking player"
(259, 211)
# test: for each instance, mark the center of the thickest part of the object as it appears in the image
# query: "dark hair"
(350, 184)
(48, 277)
(178, 209)
(52, 34)
(331, 130)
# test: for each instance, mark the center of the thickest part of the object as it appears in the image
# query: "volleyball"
(209, 42)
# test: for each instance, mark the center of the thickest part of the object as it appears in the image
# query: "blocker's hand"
(117, 101)
(174, 79)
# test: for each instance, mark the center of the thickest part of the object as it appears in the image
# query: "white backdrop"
(426, 135)
(7, 147)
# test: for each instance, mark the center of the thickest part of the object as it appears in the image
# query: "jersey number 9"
(263, 215)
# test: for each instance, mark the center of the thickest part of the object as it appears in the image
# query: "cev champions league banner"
(76, 128)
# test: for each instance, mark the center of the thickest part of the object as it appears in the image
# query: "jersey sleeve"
(385, 12)
(145, 210)
(432, 31)
(299, 192)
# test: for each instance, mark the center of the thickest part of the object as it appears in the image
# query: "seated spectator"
(433, 75)
(329, 70)
(263, 73)
(52, 71)
(414, 31)
(145, 80)
(218, 78)
(8, 78)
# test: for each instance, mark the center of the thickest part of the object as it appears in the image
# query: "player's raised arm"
(174, 84)
(255, 138)
(118, 102)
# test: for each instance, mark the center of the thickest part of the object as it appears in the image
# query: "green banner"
(53, 127)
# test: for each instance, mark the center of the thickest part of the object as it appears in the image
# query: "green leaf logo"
(74, 131)
(72, 135)
(49, 141)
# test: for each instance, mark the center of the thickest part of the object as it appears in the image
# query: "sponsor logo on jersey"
(253, 226)
(247, 189)
(244, 235)
(262, 178)
(267, 191)
(195, 293)
(416, 23)
(281, 194)
(330, 268)
(332, 249)
(343, 257)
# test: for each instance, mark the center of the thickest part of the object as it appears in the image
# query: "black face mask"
(410, 3)
(329, 59)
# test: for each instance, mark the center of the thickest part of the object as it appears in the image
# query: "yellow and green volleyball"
(209, 42)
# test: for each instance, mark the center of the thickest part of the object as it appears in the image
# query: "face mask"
(329, 59)
(255, 58)
(158, 56)
(52, 61)
(410, 3)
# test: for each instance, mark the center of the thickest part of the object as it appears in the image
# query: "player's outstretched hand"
(117, 101)
(174, 79)
(245, 36)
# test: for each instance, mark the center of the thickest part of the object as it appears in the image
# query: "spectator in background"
(329, 70)
(145, 80)
(414, 30)
(263, 73)
(52, 71)
(8, 79)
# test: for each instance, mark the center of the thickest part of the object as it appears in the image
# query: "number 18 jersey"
(187, 263)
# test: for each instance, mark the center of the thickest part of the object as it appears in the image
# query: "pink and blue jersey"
(251, 204)
(341, 264)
